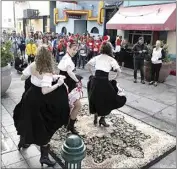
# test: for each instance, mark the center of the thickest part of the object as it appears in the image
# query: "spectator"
(31, 50)
(20, 65)
(158, 55)
(39, 41)
(61, 50)
(96, 48)
(15, 46)
(90, 44)
(83, 52)
(140, 50)
(22, 45)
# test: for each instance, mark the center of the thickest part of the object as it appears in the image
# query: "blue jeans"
(82, 60)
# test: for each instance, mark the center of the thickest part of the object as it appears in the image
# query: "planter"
(5, 78)
(164, 71)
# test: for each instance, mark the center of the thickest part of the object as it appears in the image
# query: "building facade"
(7, 17)
(79, 17)
(32, 16)
(155, 20)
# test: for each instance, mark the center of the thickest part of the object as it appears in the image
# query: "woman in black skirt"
(44, 107)
(102, 93)
(18, 114)
(66, 68)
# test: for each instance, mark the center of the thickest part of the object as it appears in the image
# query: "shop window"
(134, 35)
(95, 30)
(64, 30)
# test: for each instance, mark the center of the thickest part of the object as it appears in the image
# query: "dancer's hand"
(55, 77)
(79, 84)
(60, 81)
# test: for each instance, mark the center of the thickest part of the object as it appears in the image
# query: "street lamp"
(14, 14)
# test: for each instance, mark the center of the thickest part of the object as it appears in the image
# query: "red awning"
(153, 17)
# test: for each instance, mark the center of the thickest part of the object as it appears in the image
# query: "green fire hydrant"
(73, 152)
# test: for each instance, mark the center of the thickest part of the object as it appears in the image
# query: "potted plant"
(6, 57)
(166, 64)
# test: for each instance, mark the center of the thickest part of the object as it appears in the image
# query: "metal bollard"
(73, 152)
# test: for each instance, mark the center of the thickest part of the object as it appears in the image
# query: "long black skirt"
(17, 113)
(42, 115)
(69, 81)
(102, 94)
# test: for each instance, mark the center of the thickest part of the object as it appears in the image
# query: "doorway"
(80, 26)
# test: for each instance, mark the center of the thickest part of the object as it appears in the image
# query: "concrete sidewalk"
(153, 105)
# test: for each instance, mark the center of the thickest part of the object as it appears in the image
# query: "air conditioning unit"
(30, 13)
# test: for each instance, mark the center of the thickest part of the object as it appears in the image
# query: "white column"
(171, 41)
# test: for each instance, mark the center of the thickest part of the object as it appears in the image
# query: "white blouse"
(45, 81)
(156, 55)
(66, 62)
(105, 63)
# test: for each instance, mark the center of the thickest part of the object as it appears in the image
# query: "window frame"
(97, 32)
(133, 33)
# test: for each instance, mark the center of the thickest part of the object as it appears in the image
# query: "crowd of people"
(89, 46)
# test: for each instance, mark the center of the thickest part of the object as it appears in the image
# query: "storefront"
(154, 22)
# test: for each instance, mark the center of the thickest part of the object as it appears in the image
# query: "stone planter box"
(164, 71)
(5, 79)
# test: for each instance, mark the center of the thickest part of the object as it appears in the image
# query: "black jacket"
(136, 48)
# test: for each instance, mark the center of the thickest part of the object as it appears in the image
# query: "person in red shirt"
(61, 50)
(90, 44)
(96, 48)
(106, 38)
(71, 36)
(118, 43)
(66, 41)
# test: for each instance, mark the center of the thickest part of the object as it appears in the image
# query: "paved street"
(153, 105)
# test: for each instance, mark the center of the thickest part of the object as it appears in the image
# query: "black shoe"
(95, 119)
(22, 144)
(135, 81)
(44, 159)
(151, 82)
(103, 122)
(19, 72)
(142, 81)
(71, 127)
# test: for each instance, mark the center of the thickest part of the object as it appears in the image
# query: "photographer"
(20, 64)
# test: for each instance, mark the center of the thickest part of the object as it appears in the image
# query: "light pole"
(14, 15)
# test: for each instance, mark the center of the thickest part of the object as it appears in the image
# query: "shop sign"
(74, 16)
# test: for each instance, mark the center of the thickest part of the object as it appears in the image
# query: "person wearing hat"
(31, 50)
(140, 50)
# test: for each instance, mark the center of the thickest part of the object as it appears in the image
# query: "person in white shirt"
(158, 55)
(15, 47)
(44, 107)
(66, 68)
(39, 41)
(103, 94)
